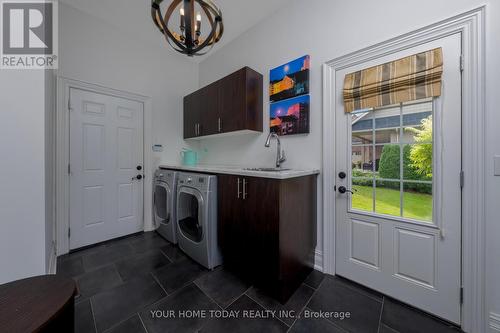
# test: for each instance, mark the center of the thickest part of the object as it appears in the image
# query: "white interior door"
(106, 147)
(399, 232)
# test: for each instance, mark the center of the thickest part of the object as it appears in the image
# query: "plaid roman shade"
(407, 79)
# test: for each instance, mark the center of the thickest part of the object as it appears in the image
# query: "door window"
(189, 219)
(392, 160)
(161, 202)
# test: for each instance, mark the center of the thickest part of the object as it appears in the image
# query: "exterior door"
(399, 230)
(106, 149)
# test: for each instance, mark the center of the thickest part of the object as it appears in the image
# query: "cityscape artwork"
(290, 116)
(288, 94)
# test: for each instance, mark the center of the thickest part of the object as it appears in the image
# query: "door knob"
(138, 177)
(343, 189)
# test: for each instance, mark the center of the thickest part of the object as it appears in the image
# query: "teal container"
(189, 157)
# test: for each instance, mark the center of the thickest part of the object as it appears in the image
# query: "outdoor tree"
(421, 152)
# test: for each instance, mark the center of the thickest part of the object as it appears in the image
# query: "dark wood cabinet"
(267, 230)
(233, 103)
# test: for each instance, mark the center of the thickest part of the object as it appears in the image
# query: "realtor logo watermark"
(29, 34)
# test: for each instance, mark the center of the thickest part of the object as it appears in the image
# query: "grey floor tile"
(80, 253)
(106, 256)
(245, 324)
(114, 305)
(188, 298)
(335, 296)
(173, 252)
(98, 280)
(147, 243)
(291, 309)
(359, 288)
(178, 274)
(386, 329)
(70, 267)
(314, 279)
(131, 325)
(222, 286)
(310, 325)
(84, 320)
(405, 319)
(142, 263)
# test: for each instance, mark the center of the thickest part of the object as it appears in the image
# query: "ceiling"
(134, 16)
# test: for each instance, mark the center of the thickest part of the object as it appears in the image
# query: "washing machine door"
(190, 217)
(162, 204)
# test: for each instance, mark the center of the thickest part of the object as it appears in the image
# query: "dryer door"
(190, 214)
(162, 203)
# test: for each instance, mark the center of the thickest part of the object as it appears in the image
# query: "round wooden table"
(38, 304)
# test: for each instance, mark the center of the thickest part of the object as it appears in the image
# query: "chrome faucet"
(280, 155)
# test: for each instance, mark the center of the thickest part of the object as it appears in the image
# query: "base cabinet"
(267, 230)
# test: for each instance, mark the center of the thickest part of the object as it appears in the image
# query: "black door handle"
(139, 177)
(343, 189)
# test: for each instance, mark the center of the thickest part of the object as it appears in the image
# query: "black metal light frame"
(189, 41)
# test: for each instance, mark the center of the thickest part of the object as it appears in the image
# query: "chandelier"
(189, 40)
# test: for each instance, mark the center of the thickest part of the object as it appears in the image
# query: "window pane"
(362, 198)
(388, 157)
(362, 138)
(361, 161)
(417, 201)
(388, 118)
(417, 162)
(390, 135)
(362, 121)
(417, 123)
(387, 198)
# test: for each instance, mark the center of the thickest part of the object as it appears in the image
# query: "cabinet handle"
(245, 194)
(238, 194)
(195, 129)
(220, 125)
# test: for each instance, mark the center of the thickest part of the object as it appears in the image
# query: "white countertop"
(240, 171)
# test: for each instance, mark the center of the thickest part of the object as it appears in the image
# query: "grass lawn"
(415, 205)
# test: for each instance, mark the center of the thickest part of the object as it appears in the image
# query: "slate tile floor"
(120, 282)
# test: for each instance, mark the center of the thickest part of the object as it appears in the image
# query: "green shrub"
(389, 162)
(389, 168)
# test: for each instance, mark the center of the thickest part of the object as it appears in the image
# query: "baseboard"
(53, 260)
(495, 321)
(318, 261)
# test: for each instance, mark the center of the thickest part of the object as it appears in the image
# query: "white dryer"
(164, 203)
(197, 218)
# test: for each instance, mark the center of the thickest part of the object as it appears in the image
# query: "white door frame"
(471, 27)
(62, 154)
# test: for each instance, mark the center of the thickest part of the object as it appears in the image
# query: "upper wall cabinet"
(232, 104)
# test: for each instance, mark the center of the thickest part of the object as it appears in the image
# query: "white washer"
(164, 203)
(197, 218)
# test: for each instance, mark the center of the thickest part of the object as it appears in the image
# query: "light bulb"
(198, 17)
(182, 11)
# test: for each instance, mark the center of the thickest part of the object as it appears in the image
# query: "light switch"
(497, 165)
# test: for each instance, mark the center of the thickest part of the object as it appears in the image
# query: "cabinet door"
(261, 206)
(233, 235)
(209, 109)
(232, 110)
(191, 114)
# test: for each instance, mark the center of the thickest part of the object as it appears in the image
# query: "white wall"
(22, 174)
(94, 51)
(327, 29)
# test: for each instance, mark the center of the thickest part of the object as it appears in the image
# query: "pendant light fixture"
(189, 39)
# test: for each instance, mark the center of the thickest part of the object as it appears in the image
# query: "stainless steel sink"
(267, 169)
